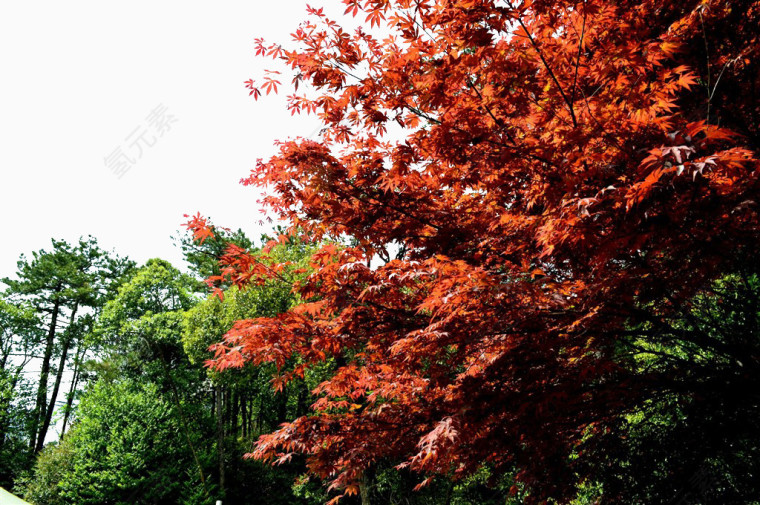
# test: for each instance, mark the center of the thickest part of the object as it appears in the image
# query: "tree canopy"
(46, 312)
(538, 194)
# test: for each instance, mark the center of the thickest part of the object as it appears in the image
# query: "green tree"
(61, 285)
(203, 258)
(142, 328)
(695, 438)
(139, 431)
(152, 341)
(244, 402)
(122, 450)
(20, 335)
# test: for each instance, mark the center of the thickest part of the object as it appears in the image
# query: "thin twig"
(547, 66)
(578, 59)
(707, 63)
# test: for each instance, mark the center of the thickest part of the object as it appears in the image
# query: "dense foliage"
(151, 424)
(520, 266)
(46, 313)
(538, 196)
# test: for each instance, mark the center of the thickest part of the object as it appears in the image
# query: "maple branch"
(414, 19)
(630, 152)
(438, 122)
(378, 203)
(339, 66)
(578, 59)
(546, 65)
(274, 273)
(534, 101)
(499, 122)
(731, 351)
(707, 62)
(659, 337)
(717, 81)
(421, 114)
(409, 314)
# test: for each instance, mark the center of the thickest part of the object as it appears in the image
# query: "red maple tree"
(539, 179)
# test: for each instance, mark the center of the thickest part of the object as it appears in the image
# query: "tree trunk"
(220, 436)
(41, 404)
(254, 417)
(449, 492)
(235, 413)
(243, 416)
(4, 357)
(184, 423)
(74, 383)
(282, 407)
(228, 410)
(58, 377)
(303, 400)
(365, 487)
(258, 425)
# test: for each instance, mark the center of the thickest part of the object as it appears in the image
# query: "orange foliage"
(544, 168)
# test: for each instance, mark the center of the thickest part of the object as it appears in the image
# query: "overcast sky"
(153, 90)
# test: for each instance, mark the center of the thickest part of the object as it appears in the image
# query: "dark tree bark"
(74, 383)
(365, 487)
(235, 412)
(219, 435)
(243, 416)
(56, 387)
(41, 403)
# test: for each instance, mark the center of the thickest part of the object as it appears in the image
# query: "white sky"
(79, 77)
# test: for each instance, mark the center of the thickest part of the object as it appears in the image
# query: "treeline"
(104, 395)
(47, 313)
(105, 398)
